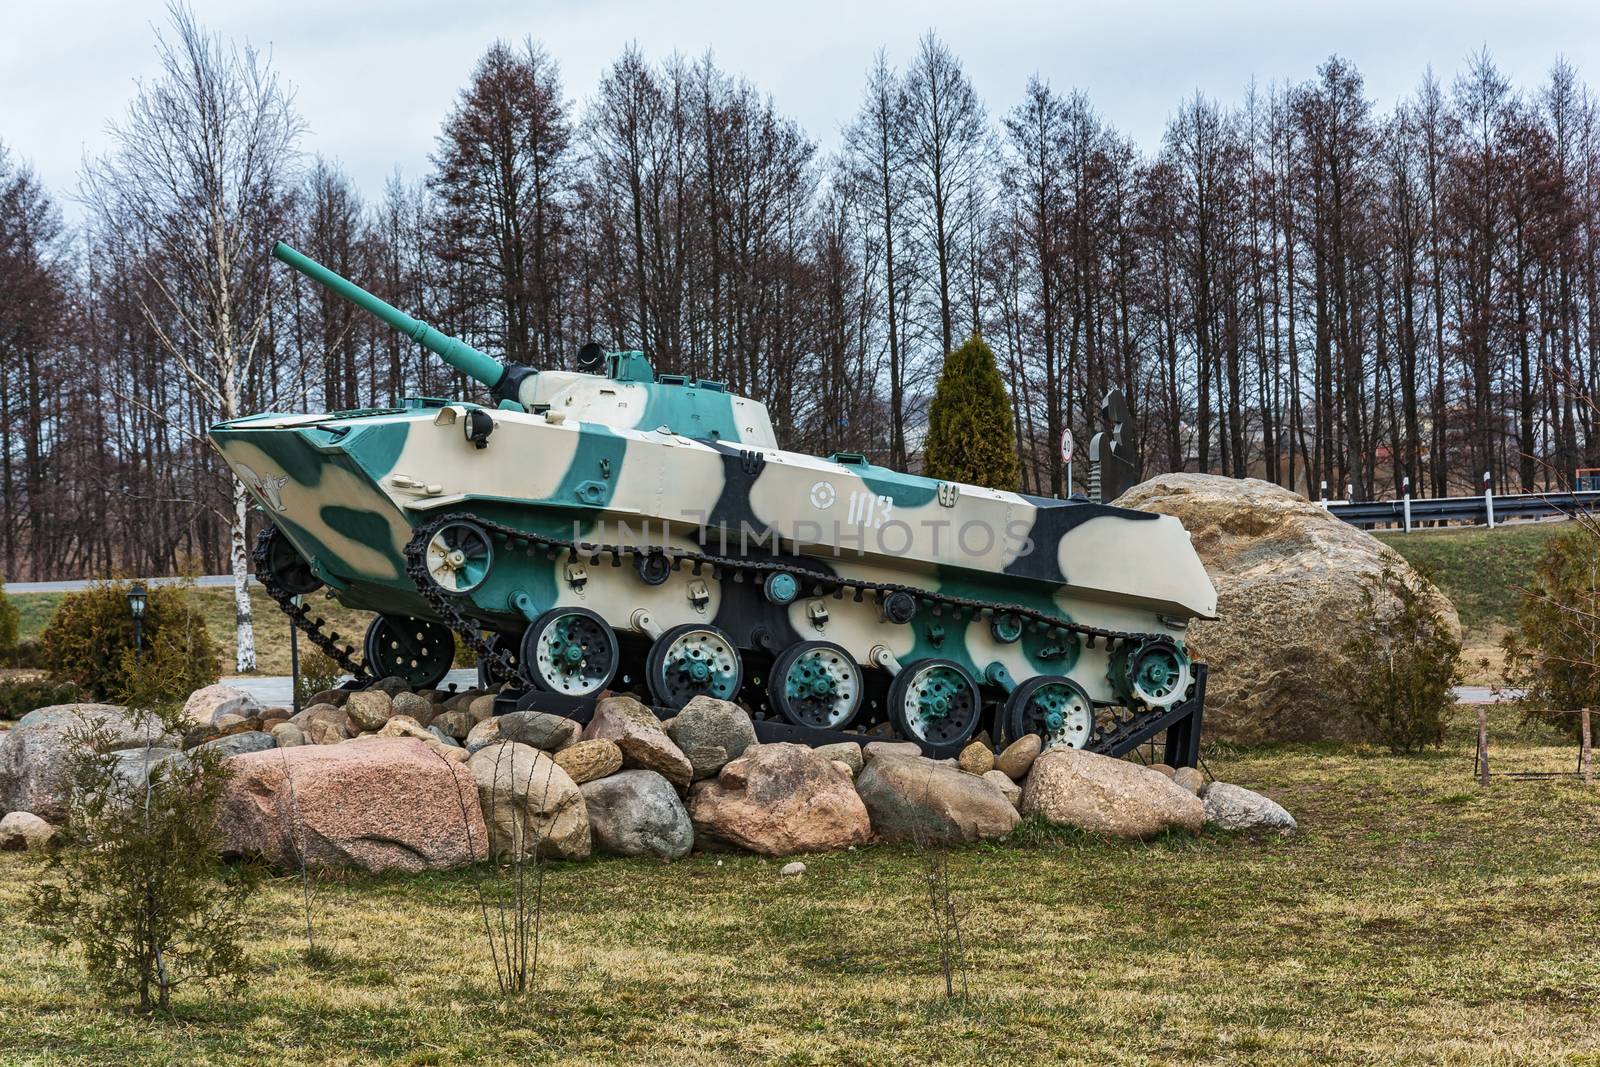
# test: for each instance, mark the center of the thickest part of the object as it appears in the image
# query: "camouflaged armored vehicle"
(614, 528)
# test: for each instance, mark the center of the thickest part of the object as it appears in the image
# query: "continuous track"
(1114, 727)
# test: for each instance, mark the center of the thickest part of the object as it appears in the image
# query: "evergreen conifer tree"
(971, 435)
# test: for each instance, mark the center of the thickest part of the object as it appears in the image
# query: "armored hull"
(619, 530)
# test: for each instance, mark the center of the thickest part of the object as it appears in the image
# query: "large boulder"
(25, 830)
(205, 706)
(287, 735)
(240, 743)
(638, 813)
(1233, 807)
(369, 709)
(913, 798)
(1071, 787)
(406, 726)
(711, 732)
(531, 804)
(1018, 757)
(35, 753)
(845, 752)
(589, 760)
(638, 733)
(778, 800)
(133, 766)
(417, 707)
(1006, 787)
(381, 805)
(1289, 580)
(538, 729)
(335, 717)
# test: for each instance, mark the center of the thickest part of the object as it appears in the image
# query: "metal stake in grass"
(1585, 753)
(1481, 762)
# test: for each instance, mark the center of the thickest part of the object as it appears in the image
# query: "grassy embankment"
(1483, 572)
(1415, 920)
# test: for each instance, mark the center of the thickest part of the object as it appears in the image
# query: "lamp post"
(136, 601)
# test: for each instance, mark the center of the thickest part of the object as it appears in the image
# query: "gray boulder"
(1008, 789)
(453, 724)
(34, 754)
(419, 708)
(134, 765)
(24, 830)
(912, 798)
(390, 686)
(530, 804)
(239, 744)
(877, 749)
(711, 732)
(638, 813)
(845, 752)
(369, 709)
(214, 701)
(1071, 787)
(541, 730)
(639, 735)
(442, 736)
(1018, 757)
(334, 716)
(287, 735)
(1232, 807)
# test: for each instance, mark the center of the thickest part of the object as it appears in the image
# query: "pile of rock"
(386, 779)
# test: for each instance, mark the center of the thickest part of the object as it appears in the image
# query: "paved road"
(78, 584)
(277, 691)
(1482, 694)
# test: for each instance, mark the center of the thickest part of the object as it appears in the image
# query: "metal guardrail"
(1482, 509)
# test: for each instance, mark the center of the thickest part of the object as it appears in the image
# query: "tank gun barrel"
(460, 355)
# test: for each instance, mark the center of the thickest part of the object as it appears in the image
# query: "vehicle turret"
(618, 389)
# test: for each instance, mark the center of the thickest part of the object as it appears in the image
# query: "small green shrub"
(28, 653)
(18, 696)
(318, 671)
(139, 885)
(8, 627)
(1554, 654)
(90, 636)
(1402, 671)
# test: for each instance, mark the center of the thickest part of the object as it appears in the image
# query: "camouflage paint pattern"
(625, 459)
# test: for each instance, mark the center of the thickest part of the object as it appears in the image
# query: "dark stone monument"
(1113, 452)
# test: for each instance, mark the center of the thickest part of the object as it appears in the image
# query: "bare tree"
(875, 153)
(202, 166)
(946, 137)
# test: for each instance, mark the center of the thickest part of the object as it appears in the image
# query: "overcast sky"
(374, 80)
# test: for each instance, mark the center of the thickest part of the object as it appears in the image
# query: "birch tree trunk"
(239, 556)
(201, 173)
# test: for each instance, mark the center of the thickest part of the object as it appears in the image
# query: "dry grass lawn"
(1415, 920)
(1484, 573)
